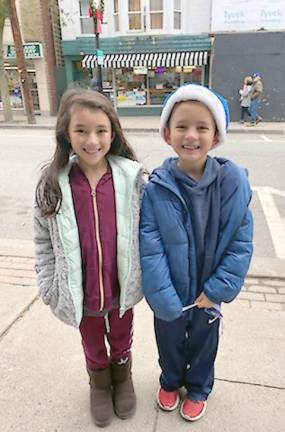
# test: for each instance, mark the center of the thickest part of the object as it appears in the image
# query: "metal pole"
(99, 69)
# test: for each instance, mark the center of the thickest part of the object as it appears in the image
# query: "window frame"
(175, 12)
(116, 19)
(156, 12)
(137, 12)
(85, 18)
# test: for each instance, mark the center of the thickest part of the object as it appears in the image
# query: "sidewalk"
(45, 386)
(142, 124)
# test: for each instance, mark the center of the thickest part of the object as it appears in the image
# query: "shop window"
(177, 14)
(162, 82)
(156, 14)
(87, 23)
(131, 86)
(192, 74)
(84, 77)
(15, 88)
(135, 15)
(34, 90)
(116, 16)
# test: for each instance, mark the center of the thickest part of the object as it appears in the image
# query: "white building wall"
(195, 18)
(41, 74)
(7, 34)
(69, 19)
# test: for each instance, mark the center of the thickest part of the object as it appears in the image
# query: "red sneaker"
(193, 410)
(167, 401)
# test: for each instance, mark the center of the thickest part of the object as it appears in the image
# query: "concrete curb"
(249, 131)
(17, 248)
(260, 267)
(25, 126)
(255, 131)
(267, 268)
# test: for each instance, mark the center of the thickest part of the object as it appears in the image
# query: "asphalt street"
(24, 151)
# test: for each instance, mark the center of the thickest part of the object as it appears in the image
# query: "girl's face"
(191, 133)
(90, 135)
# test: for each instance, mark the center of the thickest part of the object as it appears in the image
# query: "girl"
(244, 99)
(86, 243)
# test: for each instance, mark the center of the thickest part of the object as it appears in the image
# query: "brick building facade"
(41, 34)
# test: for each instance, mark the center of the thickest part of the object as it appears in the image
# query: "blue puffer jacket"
(167, 245)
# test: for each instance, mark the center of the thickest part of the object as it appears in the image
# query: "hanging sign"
(31, 51)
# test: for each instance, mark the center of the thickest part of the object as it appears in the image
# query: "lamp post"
(96, 10)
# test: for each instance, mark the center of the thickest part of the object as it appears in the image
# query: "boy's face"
(191, 133)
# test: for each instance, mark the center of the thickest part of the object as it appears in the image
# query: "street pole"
(99, 68)
(96, 11)
(28, 100)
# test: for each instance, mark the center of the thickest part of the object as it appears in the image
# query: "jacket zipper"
(99, 246)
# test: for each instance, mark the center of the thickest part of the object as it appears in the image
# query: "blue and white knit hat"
(215, 102)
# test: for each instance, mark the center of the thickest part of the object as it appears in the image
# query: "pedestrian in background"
(94, 84)
(86, 243)
(244, 99)
(195, 245)
(255, 99)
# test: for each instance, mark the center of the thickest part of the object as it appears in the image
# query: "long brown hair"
(48, 192)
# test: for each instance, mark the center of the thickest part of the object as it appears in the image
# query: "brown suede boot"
(101, 404)
(124, 397)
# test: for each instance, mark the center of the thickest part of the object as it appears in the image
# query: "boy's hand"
(203, 302)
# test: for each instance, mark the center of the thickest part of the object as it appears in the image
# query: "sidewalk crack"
(250, 383)
(20, 315)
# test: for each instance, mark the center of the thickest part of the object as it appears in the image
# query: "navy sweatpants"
(187, 350)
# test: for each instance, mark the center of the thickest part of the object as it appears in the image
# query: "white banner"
(242, 15)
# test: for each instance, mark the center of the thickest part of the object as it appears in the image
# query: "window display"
(15, 89)
(131, 86)
(143, 86)
(162, 82)
(139, 86)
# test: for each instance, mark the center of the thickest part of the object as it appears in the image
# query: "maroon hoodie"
(95, 213)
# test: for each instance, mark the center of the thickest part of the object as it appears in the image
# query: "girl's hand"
(203, 302)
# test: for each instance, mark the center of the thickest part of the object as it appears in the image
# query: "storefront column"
(42, 80)
(114, 86)
(206, 76)
(69, 71)
(147, 90)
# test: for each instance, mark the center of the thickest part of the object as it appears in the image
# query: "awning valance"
(152, 60)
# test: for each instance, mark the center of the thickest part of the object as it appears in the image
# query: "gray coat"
(57, 246)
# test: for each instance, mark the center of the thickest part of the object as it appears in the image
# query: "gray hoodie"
(202, 208)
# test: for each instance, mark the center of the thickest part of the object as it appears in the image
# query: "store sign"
(31, 51)
(236, 15)
(100, 57)
(140, 70)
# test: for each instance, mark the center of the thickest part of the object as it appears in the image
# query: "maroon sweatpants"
(95, 332)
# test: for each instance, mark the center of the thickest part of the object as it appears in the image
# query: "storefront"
(136, 80)
(15, 88)
(139, 72)
(36, 70)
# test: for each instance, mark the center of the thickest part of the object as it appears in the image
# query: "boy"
(196, 245)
